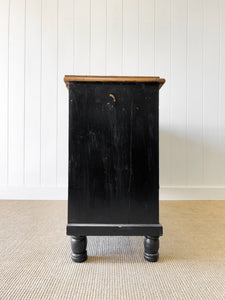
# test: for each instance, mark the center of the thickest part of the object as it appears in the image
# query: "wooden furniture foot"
(78, 246)
(151, 247)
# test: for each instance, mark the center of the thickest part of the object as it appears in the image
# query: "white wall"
(180, 40)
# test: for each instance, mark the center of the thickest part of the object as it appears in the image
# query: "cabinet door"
(99, 158)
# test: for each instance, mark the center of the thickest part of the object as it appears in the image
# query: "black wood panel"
(113, 153)
(144, 154)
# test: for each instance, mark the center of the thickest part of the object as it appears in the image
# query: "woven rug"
(35, 256)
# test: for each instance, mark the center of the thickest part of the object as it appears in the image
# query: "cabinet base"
(79, 232)
(82, 229)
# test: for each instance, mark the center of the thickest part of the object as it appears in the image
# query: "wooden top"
(161, 81)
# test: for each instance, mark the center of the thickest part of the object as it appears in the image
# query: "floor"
(35, 256)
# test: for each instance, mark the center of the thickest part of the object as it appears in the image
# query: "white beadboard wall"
(180, 40)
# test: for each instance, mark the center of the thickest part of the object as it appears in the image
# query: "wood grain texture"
(113, 152)
(68, 78)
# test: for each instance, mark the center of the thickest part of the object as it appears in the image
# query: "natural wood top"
(68, 78)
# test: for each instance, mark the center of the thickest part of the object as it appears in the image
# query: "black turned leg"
(78, 245)
(151, 244)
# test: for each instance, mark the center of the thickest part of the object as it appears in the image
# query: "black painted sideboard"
(113, 160)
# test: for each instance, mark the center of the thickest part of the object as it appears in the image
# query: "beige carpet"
(35, 256)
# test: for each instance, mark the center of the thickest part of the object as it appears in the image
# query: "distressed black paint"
(113, 158)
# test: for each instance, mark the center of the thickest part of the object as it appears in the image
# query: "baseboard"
(33, 193)
(60, 193)
(192, 193)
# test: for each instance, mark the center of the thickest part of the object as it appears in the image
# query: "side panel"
(99, 160)
(144, 155)
(113, 153)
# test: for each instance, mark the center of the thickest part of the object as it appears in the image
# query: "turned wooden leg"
(151, 245)
(78, 245)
